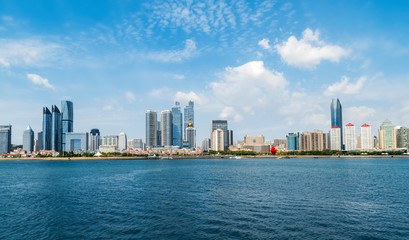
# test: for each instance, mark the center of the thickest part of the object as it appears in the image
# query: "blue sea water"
(205, 199)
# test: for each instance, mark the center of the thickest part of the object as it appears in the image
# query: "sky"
(268, 67)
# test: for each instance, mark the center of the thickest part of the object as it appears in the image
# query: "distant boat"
(235, 157)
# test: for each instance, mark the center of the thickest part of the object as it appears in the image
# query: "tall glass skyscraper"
(177, 125)
(166, 128)
(189, 114)
(151, 128)
(336, 117)
(5, 139)
(46, 129)
(67, 120)
(222, 124)
(95, 139)
(28, 139)
(56, 131)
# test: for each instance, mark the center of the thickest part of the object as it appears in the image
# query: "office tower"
(5, 139)
(39, 141)
(350, 137)
(136, 144)
(366, 138)
(336, 117)
(229, 137)
(67, 120)
(177, 125)
(94, 139)
(326, 141)
(76, 141)
(151, 128)
(222, 124)
(317, 139)
(189, 114)
(191, 135)
(218, 140)
(47, 129)
(387, 137)
(335, 134)
(306, 141)
(37, 145)
(122, 141)
(293, 141)
(206, 145)
(28, 139)
(402, 137)
(166, 128)
(56, 131)
(159, 135)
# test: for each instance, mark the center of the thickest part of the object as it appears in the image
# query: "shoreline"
(197, 157)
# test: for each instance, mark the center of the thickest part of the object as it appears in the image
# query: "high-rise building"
(218, 140)
(177, 125)
(122, 141)
(222, 124)
(206, 145)
(350, 137)
(76, 141)
(5, 139)
(39, 145)
(67, 119)
(136, 144)
(293, 141)
(387, 136)
(306, 141)
(191, 135)
(317, 138)
(189, 114)
(28, 139)
(151, 128)
(47, 129)
(335, 134)
(402, 137)
(336, 117)
(366, 138)
(230, 137)
(166, 128)
(94, 139)
(56, 131)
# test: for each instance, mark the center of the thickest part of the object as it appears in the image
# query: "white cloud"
(161, 93)
(309, 51)
(38, 80)
(360, 115)
(28, 52)
(264, 43)
(178, 76)
(345, 87)
(230, 113)
(190, 50)
(190, 96)
(130, 96)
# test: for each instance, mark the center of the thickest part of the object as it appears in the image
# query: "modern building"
(136, 144)
(177, 125)
(191, 135)
(206, 145)
(255, 143)
(109, 144)
(67, 120)
(222, 124)
(306, 141)
(387, 136)
(151, 128)
(293, 141)
(166, 121)
(230, 140)
(76, 141)
(5, 139)
(56, 131)
(122, 141)
(189, 114)
(336, 117)
(366, 138)
(335, 134)
(94, 139)
(28, 139)
(47, 126)
(39, 145)
(350, 137)
(402, 137)
(218, 141)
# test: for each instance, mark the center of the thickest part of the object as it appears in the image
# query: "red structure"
(273, 150)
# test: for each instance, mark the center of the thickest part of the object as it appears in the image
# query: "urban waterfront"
(296, 198)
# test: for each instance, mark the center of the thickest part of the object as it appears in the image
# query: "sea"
(326, 198)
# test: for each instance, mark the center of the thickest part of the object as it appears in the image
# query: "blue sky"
(269, 67)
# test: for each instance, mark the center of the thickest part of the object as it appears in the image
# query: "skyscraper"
(122, 141)
(189, 114)
(387, 137)
(5, 139)
(47, 126)
(39, 141)
(191, 135)
(56, 138)
(230, 138)
(28, 139)
(293, 141)
(151, 128)
(336, 117)
(350, 138)
(95, 139)
(218, 140)
(366, 137)
(166, 128)
(67, 120)
(335, 135)
(222, 124)
(402, 137)
(177, 125)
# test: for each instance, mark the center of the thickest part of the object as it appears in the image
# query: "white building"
(122, 141)
(109, 144)
(335, 135)
(366, 137)
(350, 138)
(218, 140)
(166, 121)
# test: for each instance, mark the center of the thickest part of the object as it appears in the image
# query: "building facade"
(387, 137)
(56, 131)
(47, 126)
(5, 139)
(166, 120)
(336, 117)
(28, 139)
(177, 125)
(189, 114)
(335, 134)
(222, 124)
(293, 141)
(94, 139)
(122, 141)
(350, 137)
(151, 128)
(206, 145)
(218, 141)
(366, 139)
(76, 141)
(67, 120)
(191, 136)
(402, 137)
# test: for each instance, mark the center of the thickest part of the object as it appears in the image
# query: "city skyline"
(119, 59)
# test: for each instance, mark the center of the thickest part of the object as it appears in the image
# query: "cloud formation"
(345, 87)
(190, 50)
(38, 80)
(264, 43)
(130, 96)
(309, 51)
